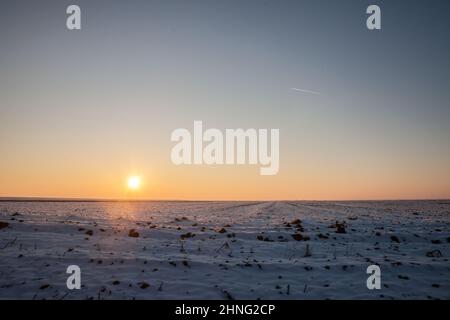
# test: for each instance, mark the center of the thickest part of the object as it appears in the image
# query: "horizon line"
(75, 199)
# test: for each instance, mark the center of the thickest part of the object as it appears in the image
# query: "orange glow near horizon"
(223, 183)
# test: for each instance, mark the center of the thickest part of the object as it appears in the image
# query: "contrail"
(306, 91)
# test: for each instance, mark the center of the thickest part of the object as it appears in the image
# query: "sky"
(81, 111)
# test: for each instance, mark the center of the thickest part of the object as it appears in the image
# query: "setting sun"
(134, 182)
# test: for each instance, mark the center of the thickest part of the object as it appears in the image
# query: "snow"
(225, 250)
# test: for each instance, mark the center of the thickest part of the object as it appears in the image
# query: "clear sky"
(81, 111)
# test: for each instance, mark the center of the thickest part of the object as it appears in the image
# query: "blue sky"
(139, 69)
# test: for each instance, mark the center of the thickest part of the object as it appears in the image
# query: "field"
(225, 250)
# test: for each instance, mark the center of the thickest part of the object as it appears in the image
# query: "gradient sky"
(80, 111)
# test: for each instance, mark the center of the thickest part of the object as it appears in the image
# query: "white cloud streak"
(306, 91)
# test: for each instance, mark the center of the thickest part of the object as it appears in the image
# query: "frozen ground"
(225, 250)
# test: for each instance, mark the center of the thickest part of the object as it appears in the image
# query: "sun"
(134, 182)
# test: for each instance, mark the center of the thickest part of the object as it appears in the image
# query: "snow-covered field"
(225, 250)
